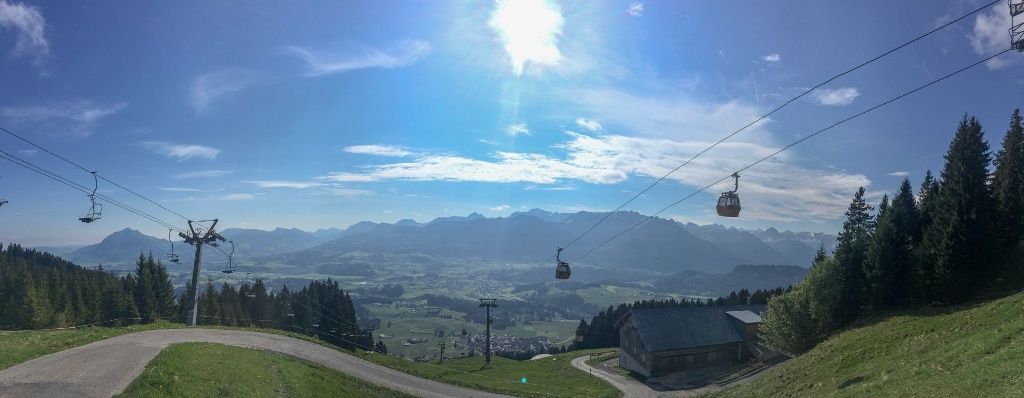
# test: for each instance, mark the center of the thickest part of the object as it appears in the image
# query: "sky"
(313, 115)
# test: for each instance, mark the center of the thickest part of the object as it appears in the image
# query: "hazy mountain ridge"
(660, 245)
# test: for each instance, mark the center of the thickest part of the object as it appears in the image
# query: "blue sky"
(321, 114)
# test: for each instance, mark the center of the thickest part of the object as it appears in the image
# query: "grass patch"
(215, 370)
(20, 346)
(974, 350)
(549, 377)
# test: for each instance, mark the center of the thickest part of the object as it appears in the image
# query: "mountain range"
(658, 245)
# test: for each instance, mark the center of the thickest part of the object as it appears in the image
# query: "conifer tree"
(956, 242)
(1008, 191)
(850, 254)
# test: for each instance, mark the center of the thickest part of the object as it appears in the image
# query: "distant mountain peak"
(475, 216)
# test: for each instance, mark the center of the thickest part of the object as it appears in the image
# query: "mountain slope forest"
(39, 291)
(957, 239)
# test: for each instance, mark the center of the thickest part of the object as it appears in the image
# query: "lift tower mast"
(197, 237)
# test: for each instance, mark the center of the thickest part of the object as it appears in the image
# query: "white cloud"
(772, 58)
(549, 188)
(591, 125)
(202, 174)
(635, 9)
(320, 63)
(529, 31)
(500, 208)
(517, 129)
(776, 190)
(379, 150)
(349, 192)
(990, 35)
(29, 27)
(286, 184)
(238, 196)
(28, 152)
(209, 87)
(66, 117)
(835, 97)
(900, 173)
(182, 152)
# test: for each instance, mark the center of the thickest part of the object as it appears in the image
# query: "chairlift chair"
(1016, 24)
(171, 256)
(562, 270)
(729, 202)
(3, 201)
(96, 209)
(230, 268)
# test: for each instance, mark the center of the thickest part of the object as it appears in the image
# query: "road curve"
(105, 368)
(630, 388)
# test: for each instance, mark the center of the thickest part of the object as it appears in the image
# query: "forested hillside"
(957, 239)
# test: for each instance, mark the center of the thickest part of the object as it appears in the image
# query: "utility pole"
(197, 237)
(441, 357)
(488, 303)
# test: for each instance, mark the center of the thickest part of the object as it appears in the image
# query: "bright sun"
(529, 29)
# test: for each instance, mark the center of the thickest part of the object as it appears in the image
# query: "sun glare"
(529, 30)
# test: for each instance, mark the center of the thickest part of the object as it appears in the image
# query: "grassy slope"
(552, 377)
(972, 350)
(548, 377)
(214, 370)
(21, 346)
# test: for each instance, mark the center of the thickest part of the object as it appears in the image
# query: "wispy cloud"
(549, 188)
(772, 58)
(209, 87)
(990, 35)
(900, 174)
(379, 150)
(500, 208)
(590, 125)
(835, 97)
(321, 63)
(202, 174)
(28, 152)
(517, 129)
(529, 30)
(237, 197)
(182, 152)
(635, 9)
(778, 189)
(178, 189)
(349, 192)
(286, 184)
(29, 27)
(76, 118)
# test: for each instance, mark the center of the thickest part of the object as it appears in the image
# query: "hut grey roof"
(745, 316)
(663, 329)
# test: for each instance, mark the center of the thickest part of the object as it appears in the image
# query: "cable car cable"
(776, 109)
(794, 143)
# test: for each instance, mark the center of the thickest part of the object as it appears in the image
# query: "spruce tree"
(1008, 188)
(956, 242)
(850, 254)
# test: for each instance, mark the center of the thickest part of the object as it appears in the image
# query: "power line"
(773, 111)
(794, 143)
(58, 156)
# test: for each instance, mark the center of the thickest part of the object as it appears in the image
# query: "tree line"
(958, 238)
(39, 290)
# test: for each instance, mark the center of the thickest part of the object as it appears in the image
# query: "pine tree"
(890, 257)
(1008, 191)
(956, 242)
(850, 254)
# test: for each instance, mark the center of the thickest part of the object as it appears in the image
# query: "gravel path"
(630, 388)
(105, 368)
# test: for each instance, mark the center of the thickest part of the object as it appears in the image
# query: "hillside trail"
(106, 367)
